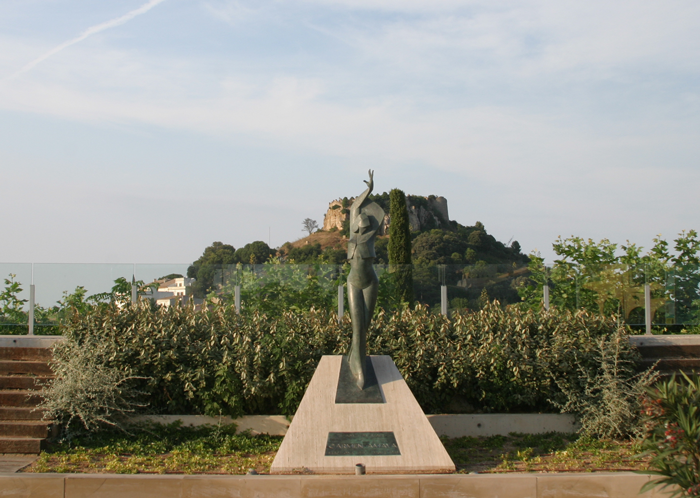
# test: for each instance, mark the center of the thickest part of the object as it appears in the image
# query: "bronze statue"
(365, 218)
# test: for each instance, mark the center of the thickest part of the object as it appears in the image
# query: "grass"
(551, 452)
(173, 449)
(162, 449)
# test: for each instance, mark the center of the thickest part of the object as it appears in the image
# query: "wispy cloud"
(87, 33)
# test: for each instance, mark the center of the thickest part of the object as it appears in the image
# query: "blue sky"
(139, 131)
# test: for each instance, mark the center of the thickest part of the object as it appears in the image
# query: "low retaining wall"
(29, 341)
(617, 485)
(444, 425)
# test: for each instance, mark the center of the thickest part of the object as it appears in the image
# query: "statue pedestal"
(388, 434)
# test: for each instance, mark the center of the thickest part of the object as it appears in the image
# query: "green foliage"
(87, 391)
(606, 278)
(304, 254)
(205, 268)
(275, 288)
(672, 410)
(399, 248)
(607, 397)
(255, 253)
(11, 306)
(217, 362)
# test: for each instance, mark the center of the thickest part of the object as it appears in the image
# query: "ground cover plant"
(550, 452)
(161, 449)
(174, 449)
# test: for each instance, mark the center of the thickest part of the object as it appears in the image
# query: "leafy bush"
(87, 391)
(672, 410)
(217, 362)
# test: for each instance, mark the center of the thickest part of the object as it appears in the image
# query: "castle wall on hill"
(419, 217)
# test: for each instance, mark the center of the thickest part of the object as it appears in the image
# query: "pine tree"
(400, 246)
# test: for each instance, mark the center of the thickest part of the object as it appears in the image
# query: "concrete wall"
(584, 485)
(445, 425)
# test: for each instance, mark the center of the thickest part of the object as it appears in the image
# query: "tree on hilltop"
(309, 225)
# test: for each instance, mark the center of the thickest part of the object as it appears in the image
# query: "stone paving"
(13, 463)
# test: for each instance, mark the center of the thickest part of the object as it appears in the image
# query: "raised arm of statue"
(357, 204)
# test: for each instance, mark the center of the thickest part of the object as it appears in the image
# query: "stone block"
(305, 446)
(31, 486)
(592, 485)
(479, 486)
(366, 486)
(116, 486)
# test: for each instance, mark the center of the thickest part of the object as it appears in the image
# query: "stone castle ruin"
(424, 213)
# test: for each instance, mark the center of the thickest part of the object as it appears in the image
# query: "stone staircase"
(670, 353)
(22, 430)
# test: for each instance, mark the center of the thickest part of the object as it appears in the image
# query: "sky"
(142, 131)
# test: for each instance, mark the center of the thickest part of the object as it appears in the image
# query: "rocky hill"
(424, 213)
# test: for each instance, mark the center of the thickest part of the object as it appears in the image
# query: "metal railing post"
(30, 322)
(341, 303)
(545, 296)
(237, 298)
(443, 299)
(647, 308)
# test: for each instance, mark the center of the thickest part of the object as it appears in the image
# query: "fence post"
(545, 296)
(443, 299)
(341, 303)
(30, 322)
(647, 308)
(237, 298)
(134, 293)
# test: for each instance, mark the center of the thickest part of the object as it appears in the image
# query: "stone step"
(23, 382)
(666, 364)
(25, 354)
(19, 398)
(39, 368)
(26, 445)
(659, 351)
(20, 413)
(25, 428)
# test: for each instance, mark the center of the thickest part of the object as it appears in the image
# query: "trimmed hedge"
(217, 362)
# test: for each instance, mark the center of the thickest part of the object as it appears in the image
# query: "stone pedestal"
(387, 434)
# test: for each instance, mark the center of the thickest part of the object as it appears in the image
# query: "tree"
(606, 278)
(309, 225)
(400, 246)
(255, 253)
(204, 270)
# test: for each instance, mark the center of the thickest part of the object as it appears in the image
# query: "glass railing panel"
(15, 281)
(470, 287)
(163, 284)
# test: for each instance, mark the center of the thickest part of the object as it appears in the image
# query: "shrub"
(87, 391)
(672, 410)
(217, 362)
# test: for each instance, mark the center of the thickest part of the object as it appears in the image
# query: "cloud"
(87, 33)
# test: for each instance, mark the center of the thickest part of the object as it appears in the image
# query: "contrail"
(89, 32)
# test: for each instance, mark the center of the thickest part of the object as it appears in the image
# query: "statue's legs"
(362, 303)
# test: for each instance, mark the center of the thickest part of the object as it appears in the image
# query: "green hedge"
(218, 362)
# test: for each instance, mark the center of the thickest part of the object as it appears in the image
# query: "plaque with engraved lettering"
(361, 444)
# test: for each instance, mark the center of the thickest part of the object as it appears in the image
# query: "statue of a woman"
(365, 218)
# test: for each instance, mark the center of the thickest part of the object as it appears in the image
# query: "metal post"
(647, 307)
(134, 293)
(237, 298)
(31, 309)
(341, 303)
(443, 299)
(545, 295)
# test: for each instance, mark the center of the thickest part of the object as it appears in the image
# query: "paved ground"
(12, 463)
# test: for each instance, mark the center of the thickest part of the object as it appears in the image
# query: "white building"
(169, 292)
